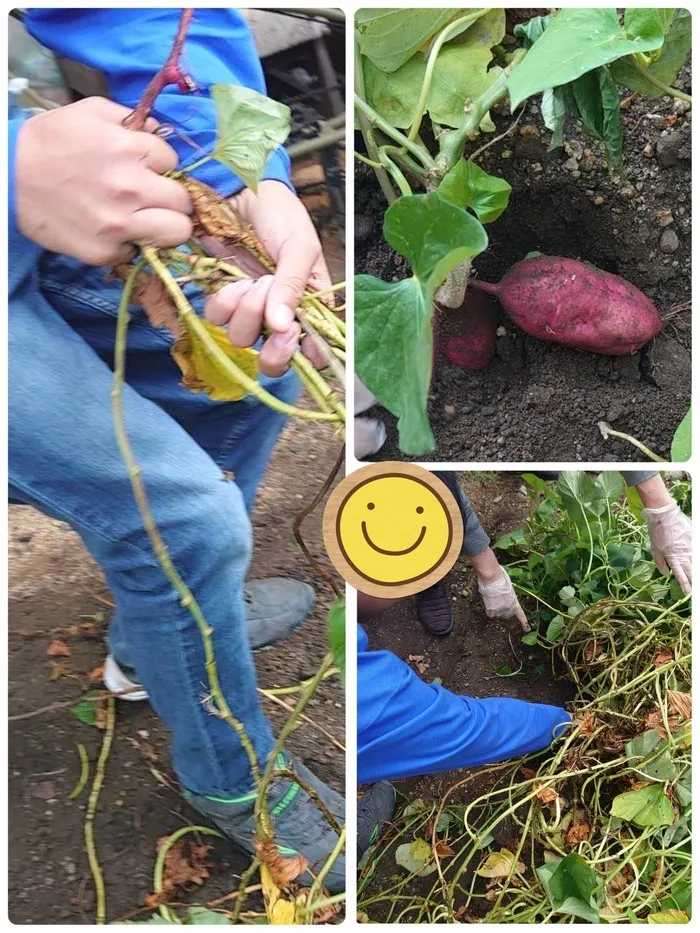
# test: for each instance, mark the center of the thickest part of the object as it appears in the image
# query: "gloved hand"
(370, 434)
(671, 537)
(501, 602)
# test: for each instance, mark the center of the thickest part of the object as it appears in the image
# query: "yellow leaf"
(279, 911)
(202, 373)
(500, 865)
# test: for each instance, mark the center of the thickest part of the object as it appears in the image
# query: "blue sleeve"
(22, 252)
(406, 727)
(130, 45)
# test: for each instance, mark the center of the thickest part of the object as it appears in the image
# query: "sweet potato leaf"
(336, 634)
(393, 320)
(648, 806)
(468, 185)
(389, 37)
(669, 62)
(681, 445)
(577, 40)
(202, 373)
(249, 126)
(570, 883)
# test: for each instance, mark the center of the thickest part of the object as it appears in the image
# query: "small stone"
(529, 130)
(464, 593)
(626, 102)
(598, 200)
(627, 192)
(664, 217)
(571, 165)
(656, 120)
(506, 154)
(450, 412)
(576, 174)
(501, 331)
(536, 166)
(573, 148)
(669, 241)
(648, 151)
(680, 106)
(667, 149)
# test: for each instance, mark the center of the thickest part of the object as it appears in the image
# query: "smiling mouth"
(381, 550)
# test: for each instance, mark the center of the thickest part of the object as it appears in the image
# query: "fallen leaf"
(681, 703)
(592, 650)
(60, 669)
(442, 850)
(280, 911)
(416, 657)
(579, 832)
(95, 675)
(283, 870)
(588, 724)
(655, 720)
(500, 865)
(186, 863)
(662, 657)
(151, 295)
(58, 649)
(324, 915)
(547, 795)
(201, 373)
(527, 773)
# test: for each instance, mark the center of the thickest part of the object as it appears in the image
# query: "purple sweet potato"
(574, 303)
(467, 335)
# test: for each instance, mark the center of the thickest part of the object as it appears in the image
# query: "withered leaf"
(527, 773)
(442, 850)
(151, 295)
(579, 832)
(60, 669)
(654, 720)
(282, 869)
(547, 795)
(662, 657)
(202, 373)
(95, 675)
(58, 649)
(681, 703)
(186, 863)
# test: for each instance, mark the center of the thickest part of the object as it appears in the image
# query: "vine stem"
(367, 111)
(607, 432)
(159, 867)
(89, 828)
(187, 599)
(367, 134)
(215, 353)
(84, 772)
(318, 880)
(652, 79)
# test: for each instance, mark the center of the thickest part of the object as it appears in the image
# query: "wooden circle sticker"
(392, 529)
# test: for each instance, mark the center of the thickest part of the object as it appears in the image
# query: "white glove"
(501, 602)
(671, 534)
(370, 434)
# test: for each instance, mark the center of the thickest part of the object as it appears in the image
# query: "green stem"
(395, 173)
(607, 431)
(374, 119)
(652, 79)
(159, 867)
(447, 33)
(398, 155)
(89, 828)
(366, 129)
(312, 907)
(453, 143)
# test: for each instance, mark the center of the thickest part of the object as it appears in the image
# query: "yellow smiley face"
(392, 529)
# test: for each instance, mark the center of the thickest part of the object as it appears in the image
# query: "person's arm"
(406, 727)
(130, 45)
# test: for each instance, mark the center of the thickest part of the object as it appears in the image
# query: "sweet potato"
(467, 335)
(574, 303)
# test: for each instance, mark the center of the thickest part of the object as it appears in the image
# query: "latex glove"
(501, 602)
(87, 187)
(370, 434)
(671, 537)
(248, 307)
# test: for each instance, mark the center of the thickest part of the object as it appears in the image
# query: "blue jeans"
(64, 460)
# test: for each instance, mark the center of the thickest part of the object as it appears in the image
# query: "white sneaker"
(117, 681)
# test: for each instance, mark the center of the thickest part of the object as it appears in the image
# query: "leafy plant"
(426, 81)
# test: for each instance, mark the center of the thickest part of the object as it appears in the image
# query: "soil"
(53, 585)
(539, 401)
(466, 661)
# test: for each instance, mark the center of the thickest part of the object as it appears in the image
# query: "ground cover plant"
(427, 83)
(598, 827)
(223, 249)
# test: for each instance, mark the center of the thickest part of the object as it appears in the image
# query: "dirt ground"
(466, 661)
(539, 401)
(55, 585)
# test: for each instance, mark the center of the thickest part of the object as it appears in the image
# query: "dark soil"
(539, 401)
(55, 585)
(466, 660)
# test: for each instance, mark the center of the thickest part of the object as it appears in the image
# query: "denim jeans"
(63, 459)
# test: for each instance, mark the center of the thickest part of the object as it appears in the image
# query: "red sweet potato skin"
(467, 335)
(575, 304)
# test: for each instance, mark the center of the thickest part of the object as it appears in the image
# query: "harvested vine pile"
(597, 828)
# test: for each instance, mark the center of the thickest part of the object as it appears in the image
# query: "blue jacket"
(130, 45)
(406, 727)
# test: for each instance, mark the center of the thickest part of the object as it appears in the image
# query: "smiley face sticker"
(392, 529)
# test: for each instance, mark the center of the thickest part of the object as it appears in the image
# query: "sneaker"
(274, 609)
(435, 609)
(375, 808)
(299, 826)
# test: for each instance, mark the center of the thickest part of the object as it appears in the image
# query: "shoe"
(435, 609)
(299, 826)
(374, 808)
(274, 609)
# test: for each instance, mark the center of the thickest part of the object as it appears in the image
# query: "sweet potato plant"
(426, 83)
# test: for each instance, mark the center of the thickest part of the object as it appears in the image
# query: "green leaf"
(249, 126)
(553, 109)
(201, 916)
(595, 99)
(635, 503)
(531, 30)
(643, 745)
(648, 806)
(570, 883)
(683, 789)
(393, 320)
(394, 96)
(567, 594)
(555, 629)
(414, 859)
(647, 22)
(576, 41)
(665, 68)
(610, 484)
(505, 542)
(682, 439)
(336, 635)
(415, 806)
(85, 711)
(621, 556)
(529, 639)
(389, 37)
(468, 185)
(669, 916)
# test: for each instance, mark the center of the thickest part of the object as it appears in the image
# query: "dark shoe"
(435, 609)
(299, 826)
(375, 808)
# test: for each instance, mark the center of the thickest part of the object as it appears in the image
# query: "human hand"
(671, 535)
(249, 307)
(500, 600)
(87, 187)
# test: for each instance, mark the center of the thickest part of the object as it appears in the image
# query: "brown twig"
(170, 73)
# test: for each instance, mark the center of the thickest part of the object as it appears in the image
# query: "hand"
(88, 188)
(500, 600)
(250, 307)
(670, 532)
